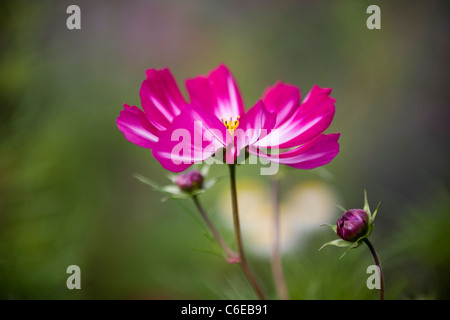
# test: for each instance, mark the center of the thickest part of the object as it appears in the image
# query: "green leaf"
(337, 243)
(207, 252)
(192, 214)
(331, 226)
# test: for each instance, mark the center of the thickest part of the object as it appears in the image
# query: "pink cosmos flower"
(181, 133)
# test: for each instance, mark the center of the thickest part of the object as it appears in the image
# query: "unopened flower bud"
(353, 225)
(189, 181)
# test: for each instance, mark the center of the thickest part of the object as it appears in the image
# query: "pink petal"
(312, 118)
(217, 93)
(256, 123)
(161, 98)
(316, 153)
(133, 123)
(316, 93)
(283, 99)
(195, 135)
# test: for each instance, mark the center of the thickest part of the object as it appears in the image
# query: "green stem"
(237, 231)
(377, 262)
(231, 256)
(277, 267)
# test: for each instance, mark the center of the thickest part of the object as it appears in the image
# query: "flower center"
(231, 123)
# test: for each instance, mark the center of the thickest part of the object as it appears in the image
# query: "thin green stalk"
(277, 267)
(231, 256)
(237, 231)
(377, 262)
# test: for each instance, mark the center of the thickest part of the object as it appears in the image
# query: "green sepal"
(169, 191)
(369, 231)
(172, 191)
(366, 205)
(337, 243)
(357, 243)
(375, 212)
(341, 208)
(147, 181)
(354, 245)
(331, 226)
(205, 170)
(172, 177)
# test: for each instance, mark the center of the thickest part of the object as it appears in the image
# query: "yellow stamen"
(230, 124)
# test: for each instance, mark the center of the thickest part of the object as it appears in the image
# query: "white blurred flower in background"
(303, 209)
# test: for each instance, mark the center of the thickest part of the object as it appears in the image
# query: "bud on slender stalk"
(353, 225)
(189, 181)
(354, 228)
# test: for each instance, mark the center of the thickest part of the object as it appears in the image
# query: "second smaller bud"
(189, 181)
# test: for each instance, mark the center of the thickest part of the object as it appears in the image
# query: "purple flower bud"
(353, 225)
(189, 181)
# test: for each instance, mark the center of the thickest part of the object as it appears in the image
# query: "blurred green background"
(67, 191)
